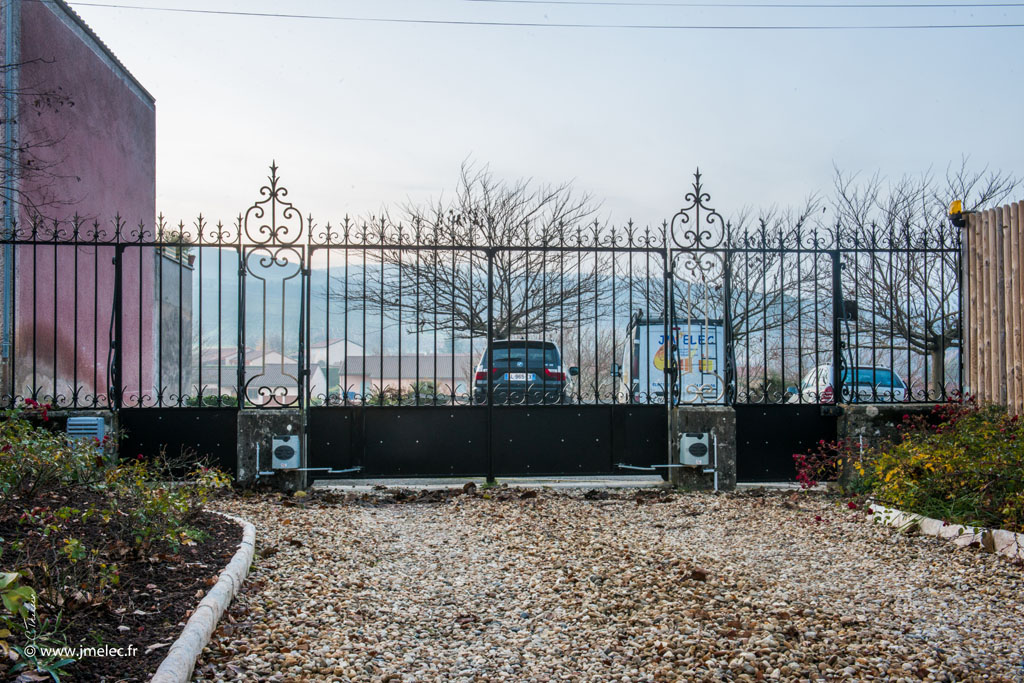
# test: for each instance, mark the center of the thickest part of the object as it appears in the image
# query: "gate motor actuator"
(694, 450)
(286, 452)
(286, 456)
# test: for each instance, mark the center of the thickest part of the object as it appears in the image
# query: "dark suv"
(522, 373)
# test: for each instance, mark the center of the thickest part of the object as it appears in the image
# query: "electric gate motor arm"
(694, 453)
(283, 446)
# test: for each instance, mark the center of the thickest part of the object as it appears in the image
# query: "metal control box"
(695, 450)
(86, 428)
(286, 452)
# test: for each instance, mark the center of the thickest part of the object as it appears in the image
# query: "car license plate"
(519, 377)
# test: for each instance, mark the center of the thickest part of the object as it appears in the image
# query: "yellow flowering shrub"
(964, 464)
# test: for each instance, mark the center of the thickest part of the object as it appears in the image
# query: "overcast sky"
(361, 114)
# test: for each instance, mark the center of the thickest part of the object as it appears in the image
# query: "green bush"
(212, 401)
(145, 510)
(964, 464)
(36, 462)
(69, 517)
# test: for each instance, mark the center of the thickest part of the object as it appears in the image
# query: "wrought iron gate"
(461, 342)
(882, 303)
(504, 350)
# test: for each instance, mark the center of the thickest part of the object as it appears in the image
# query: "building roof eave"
(74, 16)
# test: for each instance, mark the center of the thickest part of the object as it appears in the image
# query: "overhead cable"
(564, 25)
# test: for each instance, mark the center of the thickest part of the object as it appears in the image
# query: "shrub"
(212, 401)
(968, 468)
(36, 462)
(384, 396)
(824, 463)
(68, 517)
(964, 463)
(144, 510)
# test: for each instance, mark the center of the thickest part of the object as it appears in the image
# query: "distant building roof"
(331, 342)
(405, 366)
(271, 376)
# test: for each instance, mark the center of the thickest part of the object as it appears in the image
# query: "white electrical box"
(695, 450)
(286, 452)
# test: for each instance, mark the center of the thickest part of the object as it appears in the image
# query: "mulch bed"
(155, 596)
(155, 600)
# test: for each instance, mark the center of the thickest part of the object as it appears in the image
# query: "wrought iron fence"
(882, 303)
(276, 310)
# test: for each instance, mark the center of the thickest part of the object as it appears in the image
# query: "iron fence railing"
(276, 310)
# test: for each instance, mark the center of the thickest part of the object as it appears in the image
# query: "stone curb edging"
(999, 541)
(181, 658)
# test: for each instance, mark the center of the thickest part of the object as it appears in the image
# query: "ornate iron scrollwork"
(273, 221)
(696, 225)
(697, 241)
(273, 253)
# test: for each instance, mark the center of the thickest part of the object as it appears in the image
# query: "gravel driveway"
(633, 587)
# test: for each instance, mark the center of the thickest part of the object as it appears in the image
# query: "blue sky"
(362, 114)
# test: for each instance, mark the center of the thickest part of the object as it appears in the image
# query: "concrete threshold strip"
(432, 483)
(181, 657)
(999, 541)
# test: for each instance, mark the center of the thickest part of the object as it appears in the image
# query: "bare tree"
(524, 234)
(29, 149)
(905, 277)
(768, 285)
(593, 351)
(773, 285)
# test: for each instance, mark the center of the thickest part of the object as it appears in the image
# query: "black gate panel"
(438, 441)
(333, 439)
(425, 441)
(767, 436)
(563, 440)
(200, 435)
(640, 435)
(415, 441)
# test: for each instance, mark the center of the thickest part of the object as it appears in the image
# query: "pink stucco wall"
(103, 164)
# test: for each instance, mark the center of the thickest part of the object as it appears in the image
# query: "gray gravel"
(558, 587)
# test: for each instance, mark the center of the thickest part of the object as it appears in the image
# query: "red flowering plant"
(824, 463)
(31, 409)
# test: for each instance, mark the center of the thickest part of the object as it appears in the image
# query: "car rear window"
(873, 377)
(512, 356)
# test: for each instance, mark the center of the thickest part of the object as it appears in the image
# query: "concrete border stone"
(999, 541)
(181, 658)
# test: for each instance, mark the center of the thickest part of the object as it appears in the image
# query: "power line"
(769, 5)
(525, 24)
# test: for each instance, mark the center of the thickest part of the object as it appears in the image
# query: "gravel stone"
(702, 587)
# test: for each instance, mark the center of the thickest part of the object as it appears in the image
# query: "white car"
(860, 385)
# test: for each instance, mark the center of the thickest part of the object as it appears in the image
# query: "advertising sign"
(699, 351)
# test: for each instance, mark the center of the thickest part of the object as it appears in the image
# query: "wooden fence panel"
(994, 297)
(1011, 313)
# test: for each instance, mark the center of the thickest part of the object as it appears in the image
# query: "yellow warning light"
(956, 214)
